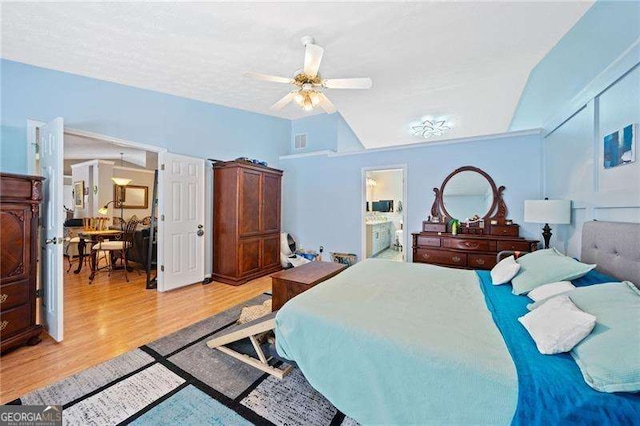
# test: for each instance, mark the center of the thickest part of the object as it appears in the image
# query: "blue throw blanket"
(551, 390)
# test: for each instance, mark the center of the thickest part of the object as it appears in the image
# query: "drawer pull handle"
(455, 259)
(3, 297)
(480, 261)
(425, 255)
(471, 245)
(4, 325)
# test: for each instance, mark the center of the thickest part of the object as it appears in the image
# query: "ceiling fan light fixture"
(315, 99)
(307, 105)
(308, 79)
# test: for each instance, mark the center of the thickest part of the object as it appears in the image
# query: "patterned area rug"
(179, 380)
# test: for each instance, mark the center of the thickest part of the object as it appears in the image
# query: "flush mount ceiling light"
(371, 182)
(429, 128)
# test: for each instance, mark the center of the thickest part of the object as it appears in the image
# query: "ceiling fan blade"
(312, 57)
(348, 83)
(267, 77)
(284, 101)
(326, 104)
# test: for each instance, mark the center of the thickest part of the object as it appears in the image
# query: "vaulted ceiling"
(466, 62)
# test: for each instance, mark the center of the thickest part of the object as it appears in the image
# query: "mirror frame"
(121, 201)
(498, 210)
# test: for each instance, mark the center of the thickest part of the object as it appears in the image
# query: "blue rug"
(179, 380)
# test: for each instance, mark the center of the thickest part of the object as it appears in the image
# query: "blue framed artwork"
(620, 147)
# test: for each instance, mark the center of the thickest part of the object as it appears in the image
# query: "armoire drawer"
(442, 257)
(513, 245)
(467, 244)
(481, 261)
(14, 320)
(14, 294)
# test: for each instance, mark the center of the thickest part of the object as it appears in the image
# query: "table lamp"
(547, 211)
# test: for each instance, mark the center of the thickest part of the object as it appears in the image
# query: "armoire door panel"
(270, 251)
(270, 203)
(20, 198)
(15, 222)
(249, 194)
(249, 256)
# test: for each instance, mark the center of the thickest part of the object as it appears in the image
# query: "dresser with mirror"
(469, 196)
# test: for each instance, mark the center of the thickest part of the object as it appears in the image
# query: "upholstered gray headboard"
(615, 247)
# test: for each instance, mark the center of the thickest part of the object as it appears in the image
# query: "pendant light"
(121, 181)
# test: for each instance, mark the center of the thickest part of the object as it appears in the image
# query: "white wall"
(97, 175)
(138, 177)
(573, 161)
(83, 172)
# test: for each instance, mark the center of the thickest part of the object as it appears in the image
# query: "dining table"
(94, 237)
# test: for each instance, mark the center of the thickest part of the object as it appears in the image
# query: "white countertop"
(377, 222)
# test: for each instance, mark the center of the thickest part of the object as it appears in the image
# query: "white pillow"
(557, 325)
(504, 271)
(549, 290)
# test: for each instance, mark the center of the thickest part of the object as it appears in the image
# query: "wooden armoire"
(20, 198)
(246, 221)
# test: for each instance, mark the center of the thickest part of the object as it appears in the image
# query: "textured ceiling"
(466, 62)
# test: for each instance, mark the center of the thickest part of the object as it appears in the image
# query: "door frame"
(363, 203)
(32, 139)
(32, 157)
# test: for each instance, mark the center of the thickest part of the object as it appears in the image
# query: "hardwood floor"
(110, 317)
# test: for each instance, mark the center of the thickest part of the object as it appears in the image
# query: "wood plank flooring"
(110, 317)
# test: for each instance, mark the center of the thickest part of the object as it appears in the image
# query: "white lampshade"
(547, 211)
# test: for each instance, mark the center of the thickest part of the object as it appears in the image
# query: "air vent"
(300, 141)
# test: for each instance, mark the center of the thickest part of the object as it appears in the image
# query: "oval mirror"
(466, 194)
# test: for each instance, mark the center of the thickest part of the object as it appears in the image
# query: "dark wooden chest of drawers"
(465, 250)
(20, 197)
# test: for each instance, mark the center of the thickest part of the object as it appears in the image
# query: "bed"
(397, 343)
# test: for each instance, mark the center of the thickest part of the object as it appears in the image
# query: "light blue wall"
(181, 125)
(321, 130)
(347, 139)
(325, 132)
(604, 33)
(573, 162)
(322, 203)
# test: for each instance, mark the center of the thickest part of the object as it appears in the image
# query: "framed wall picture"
(78, 194)
(620, 147)
(131, 196)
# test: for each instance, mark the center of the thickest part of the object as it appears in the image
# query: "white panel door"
(53, 216)
(181, 226)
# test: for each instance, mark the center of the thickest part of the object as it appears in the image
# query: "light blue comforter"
(397, 343)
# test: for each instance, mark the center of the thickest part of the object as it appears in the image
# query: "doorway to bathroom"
(384, 213)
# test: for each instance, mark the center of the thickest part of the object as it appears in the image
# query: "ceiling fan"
(309, 84)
